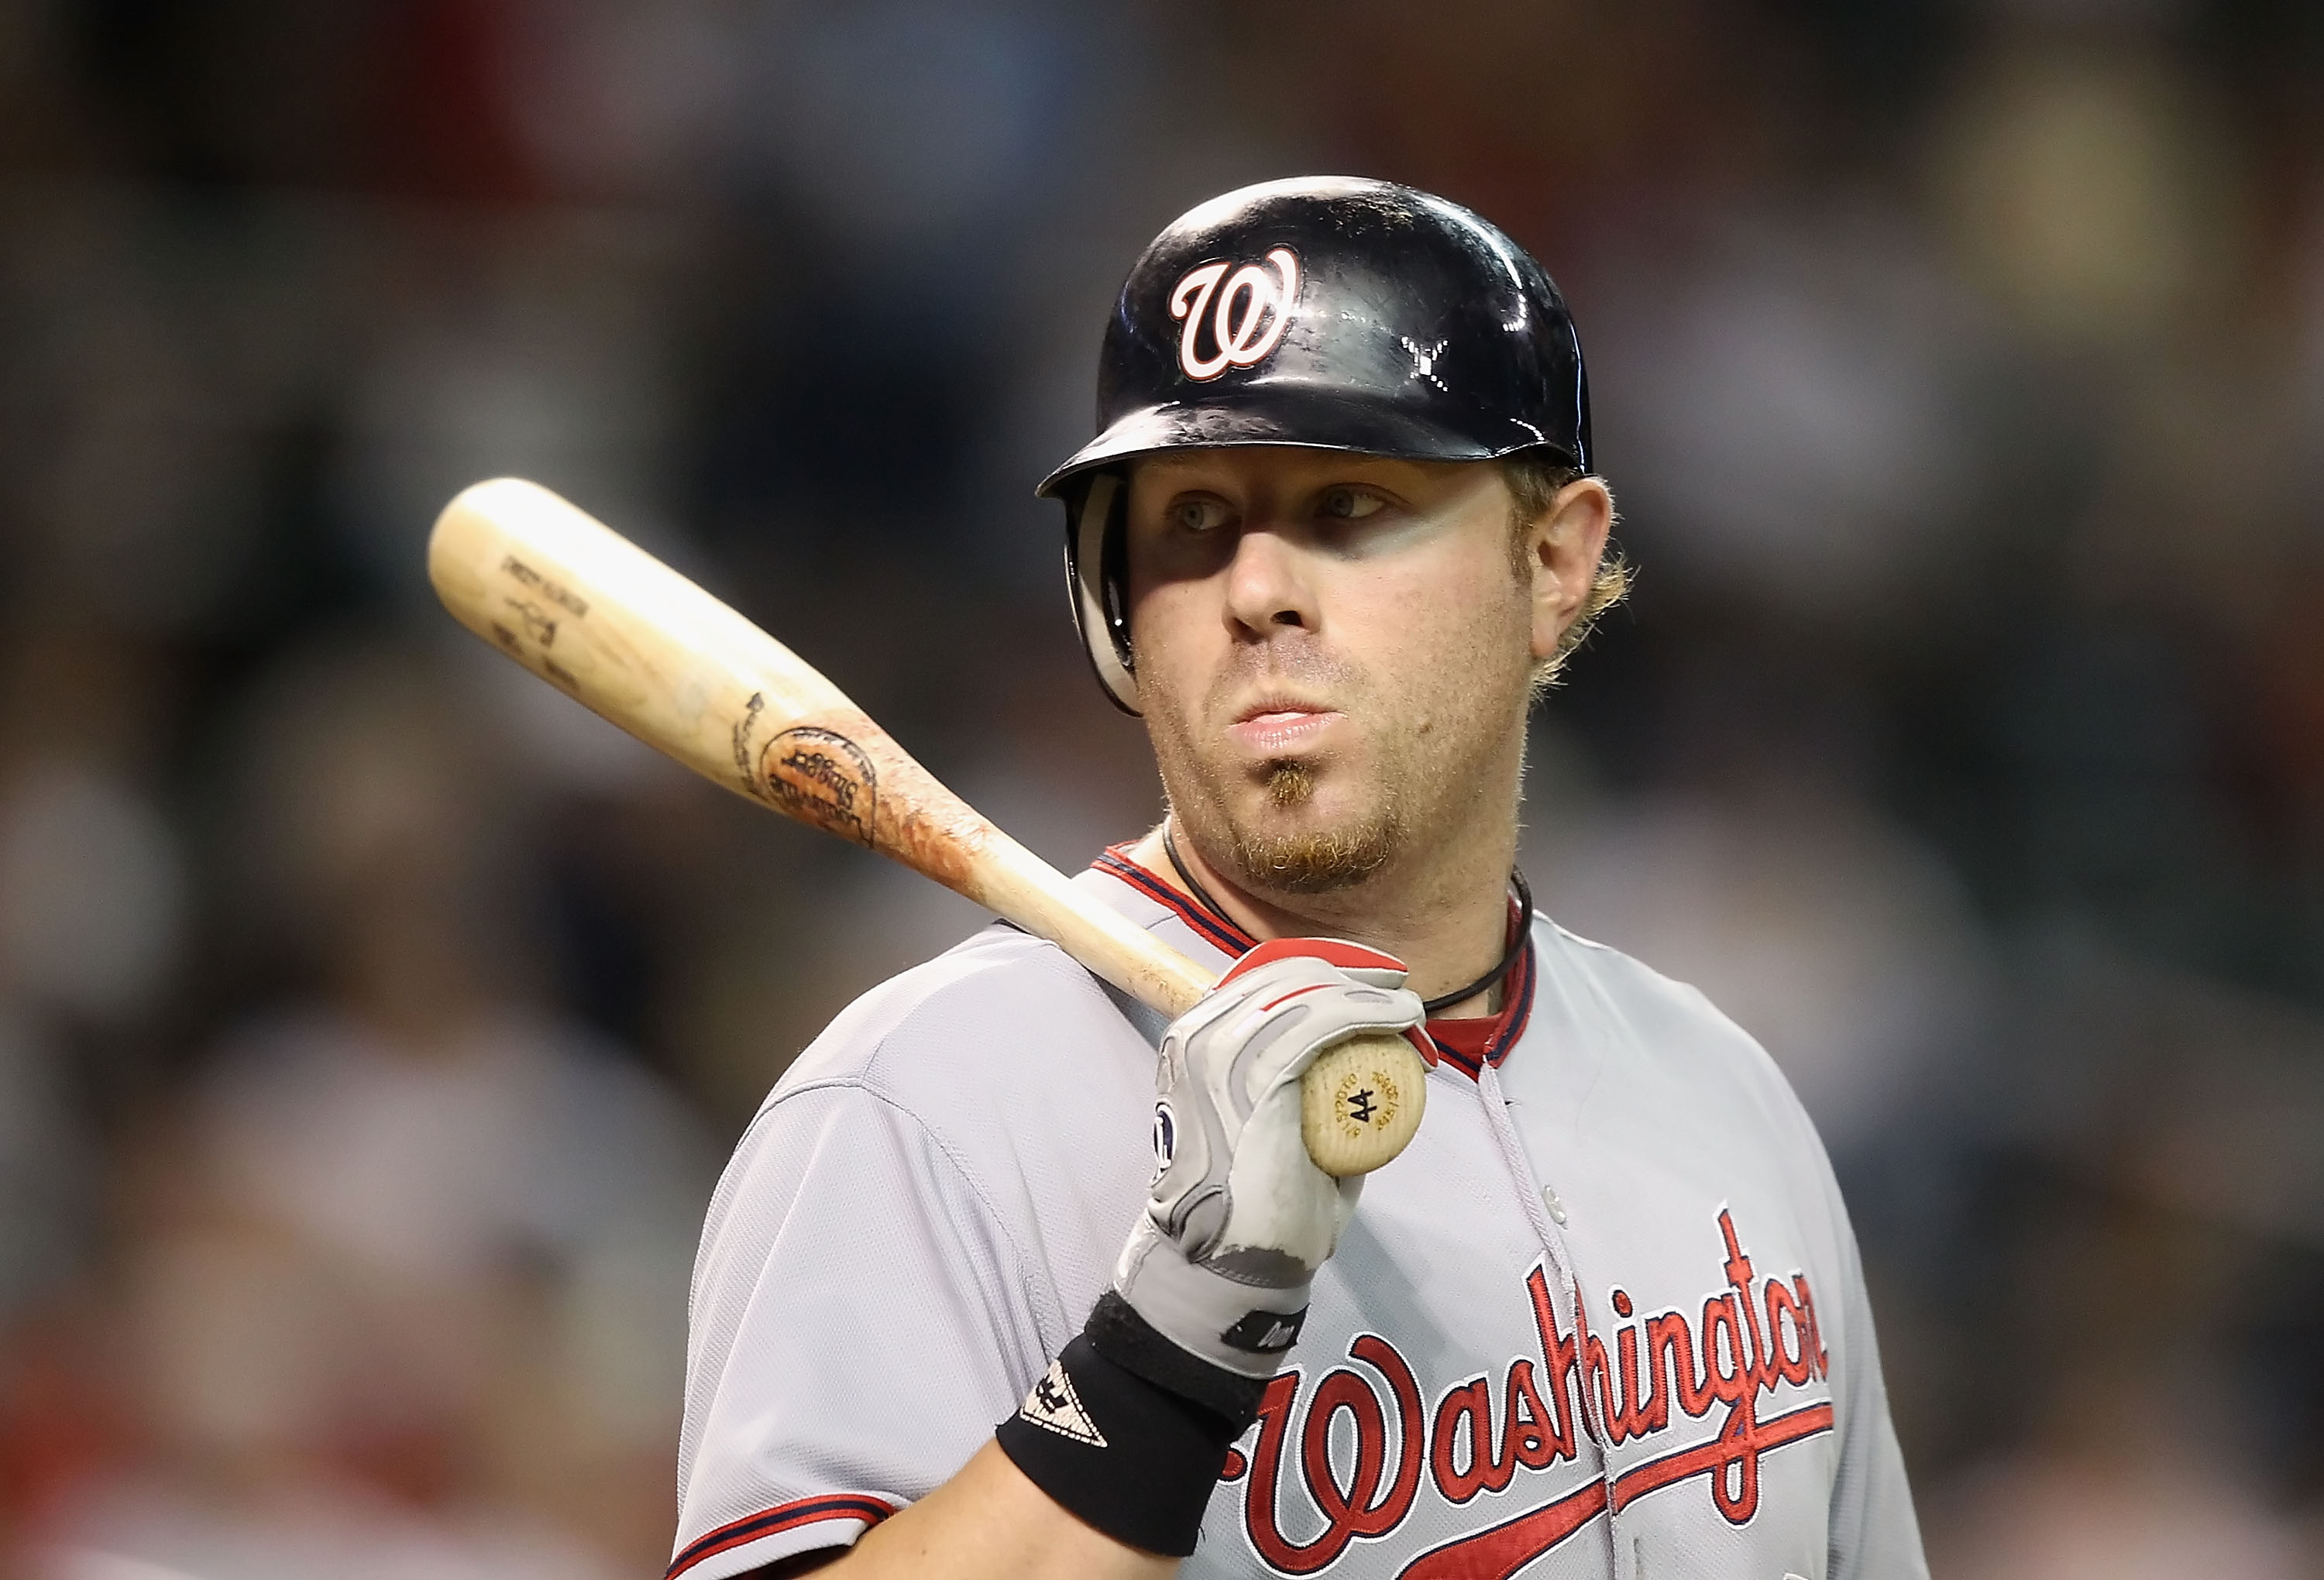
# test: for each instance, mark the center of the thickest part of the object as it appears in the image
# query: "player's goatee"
(1316, 861)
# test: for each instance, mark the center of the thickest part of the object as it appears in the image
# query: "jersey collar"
(1467, 1045)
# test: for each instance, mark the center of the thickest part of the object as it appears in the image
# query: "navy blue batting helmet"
(1325, 311)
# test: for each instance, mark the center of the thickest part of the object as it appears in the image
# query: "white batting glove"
(1240, 1218)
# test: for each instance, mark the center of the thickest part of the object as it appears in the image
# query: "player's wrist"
(1128, 1432)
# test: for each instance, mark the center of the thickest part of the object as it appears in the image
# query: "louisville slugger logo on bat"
(820, 777)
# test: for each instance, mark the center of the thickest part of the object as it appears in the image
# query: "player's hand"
(1127, 1427)
(1240, 1218)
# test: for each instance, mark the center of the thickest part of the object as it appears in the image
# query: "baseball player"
(1604, 1316)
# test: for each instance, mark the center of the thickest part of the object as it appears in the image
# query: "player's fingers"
(1320, 1015)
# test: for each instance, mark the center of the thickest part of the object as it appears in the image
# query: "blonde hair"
(1534, 483)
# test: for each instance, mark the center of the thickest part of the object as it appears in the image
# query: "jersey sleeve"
(1875, 1533)
(860, 1319)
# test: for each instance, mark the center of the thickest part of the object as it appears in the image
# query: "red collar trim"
(1467, 1045)
(1220, 933)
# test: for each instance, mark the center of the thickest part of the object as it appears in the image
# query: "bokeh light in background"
(372, 1020)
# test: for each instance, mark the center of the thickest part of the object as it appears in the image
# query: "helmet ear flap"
(1097, 582)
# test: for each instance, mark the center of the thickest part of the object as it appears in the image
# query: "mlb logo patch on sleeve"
(1053, 1404)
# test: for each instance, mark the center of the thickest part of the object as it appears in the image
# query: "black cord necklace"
(1443, 1001)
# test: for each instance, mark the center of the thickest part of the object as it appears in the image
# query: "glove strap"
(1132, 1343)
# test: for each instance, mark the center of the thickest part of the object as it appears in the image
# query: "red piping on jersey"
(782, 1517)
(1467, 1045)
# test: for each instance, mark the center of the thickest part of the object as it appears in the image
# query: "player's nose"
(1267, 587)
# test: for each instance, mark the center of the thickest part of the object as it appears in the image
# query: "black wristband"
(1135, 1460)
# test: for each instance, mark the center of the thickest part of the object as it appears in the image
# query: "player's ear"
(1560, 550)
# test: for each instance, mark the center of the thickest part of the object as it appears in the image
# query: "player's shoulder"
(1670, 1023)
(1622, 982)
(1000, 993)
(1002, 1014)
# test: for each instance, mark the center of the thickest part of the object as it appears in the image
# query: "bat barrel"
(614, 628)
(634, 641)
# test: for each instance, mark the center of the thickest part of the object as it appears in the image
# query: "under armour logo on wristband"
(1053, 1404)
(1265, 1333)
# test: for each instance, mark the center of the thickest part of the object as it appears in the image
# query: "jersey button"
(1557, 1207)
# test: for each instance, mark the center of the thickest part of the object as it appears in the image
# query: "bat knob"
(1360, 1101)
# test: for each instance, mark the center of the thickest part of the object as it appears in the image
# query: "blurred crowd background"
(373, 1022)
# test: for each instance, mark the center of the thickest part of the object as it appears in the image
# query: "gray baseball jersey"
(1603, 1316)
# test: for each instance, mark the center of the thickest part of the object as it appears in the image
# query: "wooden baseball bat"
(636, 642)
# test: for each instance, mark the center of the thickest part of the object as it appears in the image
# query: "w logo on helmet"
(1252, 310)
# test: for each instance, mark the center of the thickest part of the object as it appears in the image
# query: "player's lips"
(1278, 726)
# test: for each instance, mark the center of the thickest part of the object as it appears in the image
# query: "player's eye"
(1348, 504)
(1197, 514)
